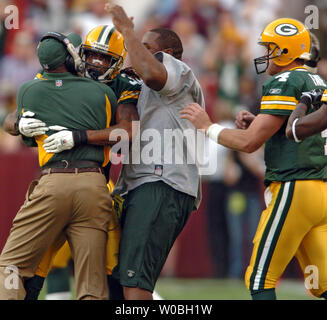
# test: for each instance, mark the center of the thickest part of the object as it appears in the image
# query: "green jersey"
(126, 89)
(72, 102)
(285, 159)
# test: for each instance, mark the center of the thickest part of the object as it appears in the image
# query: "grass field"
(219, 289)
(214, 289)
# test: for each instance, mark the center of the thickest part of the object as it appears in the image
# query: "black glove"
(312, 98)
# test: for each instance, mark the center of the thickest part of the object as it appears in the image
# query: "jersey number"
(283, 77)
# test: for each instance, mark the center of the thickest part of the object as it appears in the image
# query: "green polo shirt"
(72, 102)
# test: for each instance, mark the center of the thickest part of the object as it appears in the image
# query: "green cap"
(52, 53)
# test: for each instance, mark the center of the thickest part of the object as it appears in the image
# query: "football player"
(103, 54)
(295, 220)
(309, 116)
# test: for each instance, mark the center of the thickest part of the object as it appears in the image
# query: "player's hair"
(169, 39)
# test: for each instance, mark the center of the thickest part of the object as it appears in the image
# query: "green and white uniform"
(126, 89)
(285, 159)
(294, 222)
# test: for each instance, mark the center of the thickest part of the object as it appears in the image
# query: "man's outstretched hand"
(197, 115)
(119, 17)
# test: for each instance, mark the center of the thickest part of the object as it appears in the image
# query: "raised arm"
(152, 71)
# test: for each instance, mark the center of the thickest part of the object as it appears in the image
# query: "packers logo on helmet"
(285, 40)
(103, 53)
(286, 29)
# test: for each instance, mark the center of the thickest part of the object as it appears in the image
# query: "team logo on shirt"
(59, 83)
(130, 273)
(275, 91)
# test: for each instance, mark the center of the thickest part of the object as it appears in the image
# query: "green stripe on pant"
(271, 235)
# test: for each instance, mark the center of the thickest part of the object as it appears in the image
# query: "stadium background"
(219, 38)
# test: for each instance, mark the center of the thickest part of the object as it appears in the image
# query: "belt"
(65, 166)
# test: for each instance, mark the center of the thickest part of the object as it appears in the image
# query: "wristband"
(294, 131)
(79, 137)
(306, 100)
(213, 132)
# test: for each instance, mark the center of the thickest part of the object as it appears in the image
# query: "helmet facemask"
(273, 52)
(100, 65)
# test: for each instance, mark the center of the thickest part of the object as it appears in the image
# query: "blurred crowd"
(220, 42)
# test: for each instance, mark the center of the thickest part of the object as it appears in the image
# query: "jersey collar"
(52, 75)
(302, 68)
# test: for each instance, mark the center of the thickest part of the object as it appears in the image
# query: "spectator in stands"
(193, 43)
(217, 192)
(94, 16)
(45, 15)
(20, 66)
(165, 8)
(223, 55)
(2, 28)
(242, 207)
(189, 8)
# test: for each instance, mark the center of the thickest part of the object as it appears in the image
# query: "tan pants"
(78, 204)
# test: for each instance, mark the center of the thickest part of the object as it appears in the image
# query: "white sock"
(156, 296)
(59, 296)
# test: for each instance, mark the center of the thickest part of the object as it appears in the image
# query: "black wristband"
(80, 137)
(306, 100)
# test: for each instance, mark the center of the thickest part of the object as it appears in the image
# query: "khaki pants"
(78, 204)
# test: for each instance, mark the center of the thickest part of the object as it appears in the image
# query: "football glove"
(312, 98)
(64, 139)
(28, 126)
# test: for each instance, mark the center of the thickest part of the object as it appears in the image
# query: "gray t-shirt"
(162, 152)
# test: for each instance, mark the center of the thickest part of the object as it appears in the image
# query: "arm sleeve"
(279, 98)
(179, 75)
(30, 142)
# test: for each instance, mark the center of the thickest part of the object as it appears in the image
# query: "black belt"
(66, 166)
